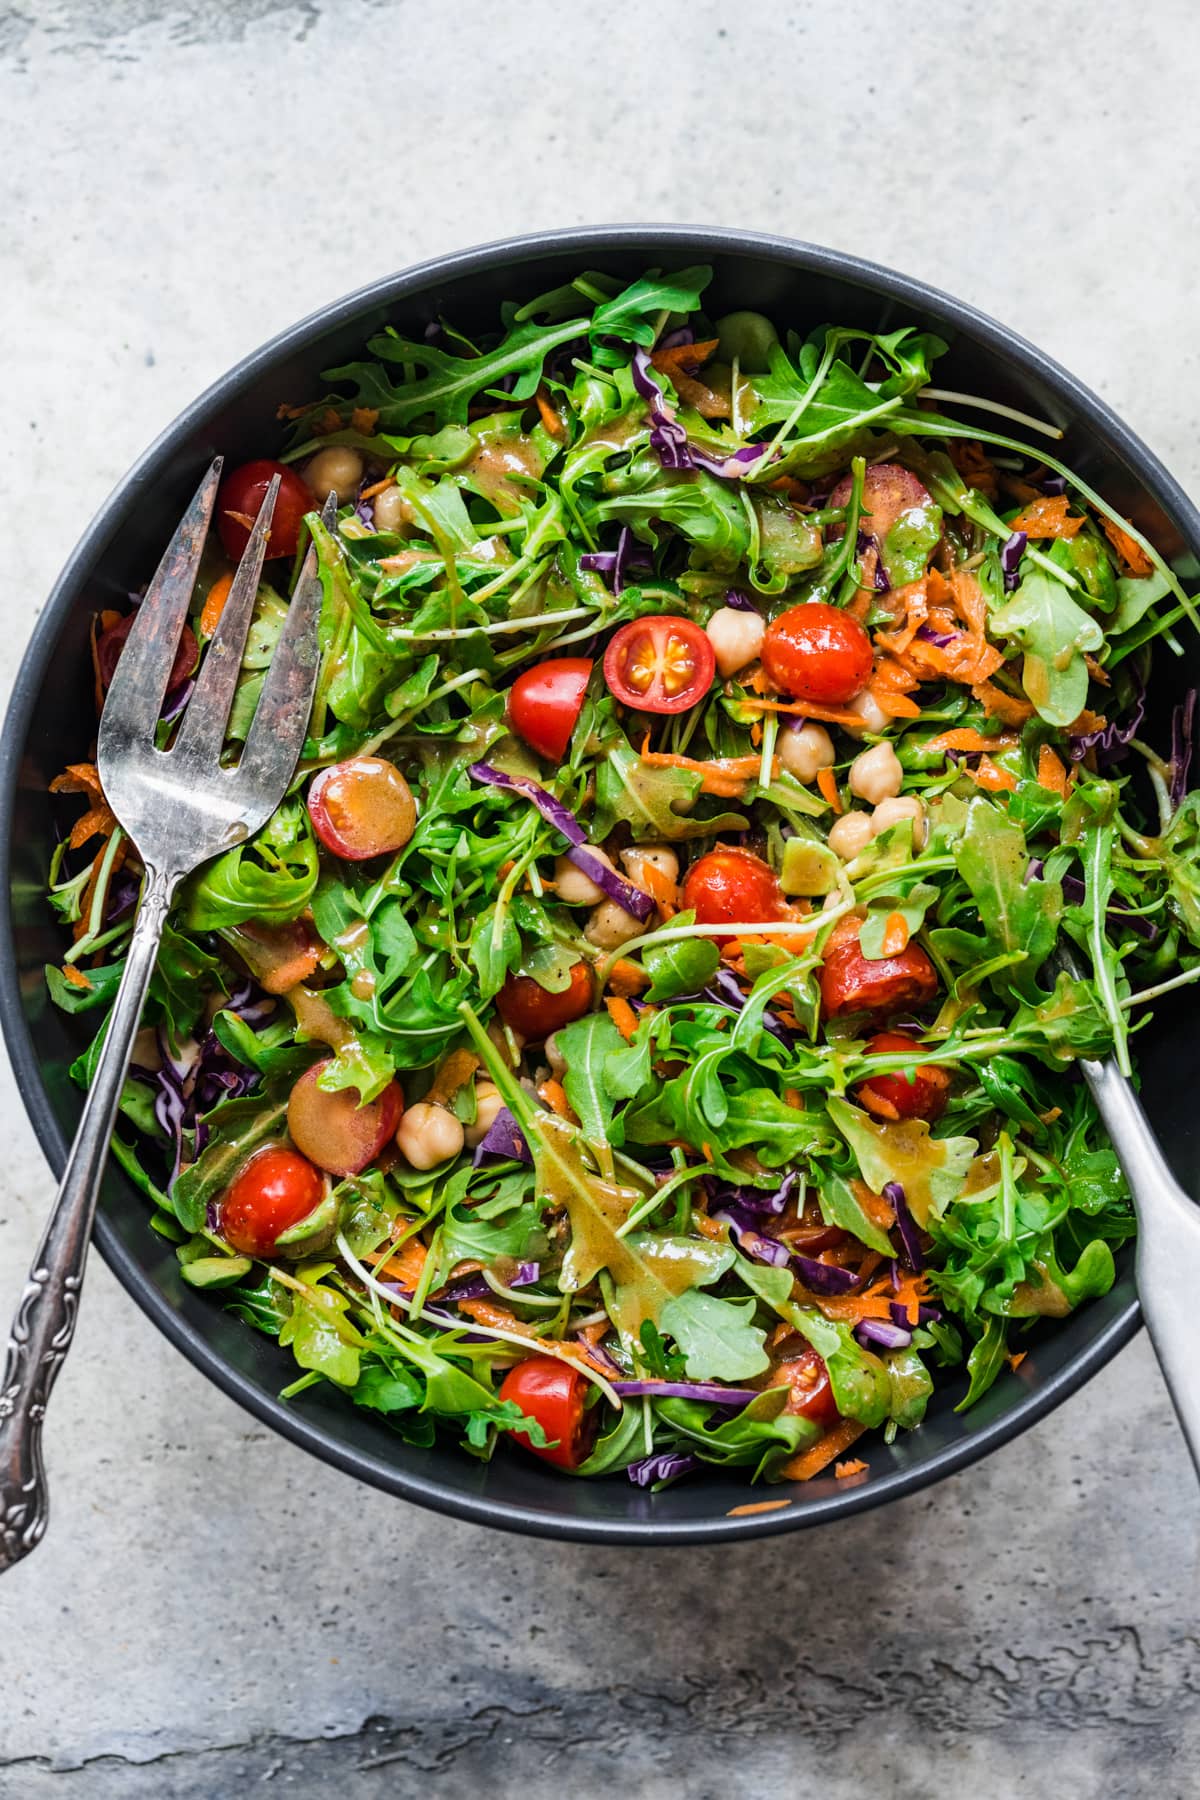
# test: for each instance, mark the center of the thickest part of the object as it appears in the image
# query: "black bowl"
(50, 721)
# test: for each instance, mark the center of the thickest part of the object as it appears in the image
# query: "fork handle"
(44, 1325)
(1168, 1243)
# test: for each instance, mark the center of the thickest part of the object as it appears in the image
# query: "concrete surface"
(214, 1611)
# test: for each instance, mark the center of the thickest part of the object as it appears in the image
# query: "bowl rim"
(694, 241)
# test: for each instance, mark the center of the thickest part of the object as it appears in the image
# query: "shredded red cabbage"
(469, 1287)
(724, 988)
(926, 1315)
(1053, 484)
(1111, 742)
(910, 1237)
(940, 638)
(664, 1465)
(504, 1138)
(527, 1273)
(633, 900)
(880, 1332)
(708, 1391)
(1183, 741)
(738, 601)
(668, 439)
(826, 1278)
(1011, 552)
(614, 564)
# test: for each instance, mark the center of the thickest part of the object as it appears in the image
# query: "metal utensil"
(1168, 1234)
(180, 807)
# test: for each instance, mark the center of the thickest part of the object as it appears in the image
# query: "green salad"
(637, 1039)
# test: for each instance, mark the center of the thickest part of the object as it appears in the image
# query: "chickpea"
(429, 1135)
(488, 1102)
(573, 887)
(659, 857)
(872, 716)
(805, 752)
(903, 806)
(337, 470)
(610, 926)
(876, 774)
(736, 638)
(554, 1056)
(391, 510)
(850, 835)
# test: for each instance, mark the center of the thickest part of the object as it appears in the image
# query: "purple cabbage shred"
(707, 1391)
(1011, 553)
(505, 1139)
(883, 1335)
(664, 1465)
(1183, 742)
(633, 900)
(910, 1237)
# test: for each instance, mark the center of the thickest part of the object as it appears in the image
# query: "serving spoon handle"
(44, 1325)
(1168, 1243)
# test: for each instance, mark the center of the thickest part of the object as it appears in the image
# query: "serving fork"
(180, 807)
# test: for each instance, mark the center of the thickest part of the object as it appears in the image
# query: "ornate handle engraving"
(45, 1321)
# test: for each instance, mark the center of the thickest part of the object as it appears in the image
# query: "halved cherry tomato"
(817, 652)
(272, 1192)
(529, 1008)
(334, 1130)
(895, 1096)
(732, 887)
(242, 493)
(110, 644)
(545, 702)
(660, 664)
(555, 1395)
(851, 982)
(889, 491)
(811, 1393)
(362, 808)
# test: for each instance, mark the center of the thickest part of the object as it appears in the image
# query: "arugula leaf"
(634, 313)
(1018, 915)
(932, 1171)
(684, 967)
(586, 1047)
(717, 1337)
(840, 1206)
(271, 879)
(321, 1336)
(985, 1361)
(235, 1129)
(1054, 632)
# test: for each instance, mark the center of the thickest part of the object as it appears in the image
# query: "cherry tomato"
(889, 491)
(851, 982)
(272, 1192)
(894, 1096)
(528, 1008)
(732, 887)
(811, 1392)
(242, 493)
(362, 808)
(334, 1130)
(817, 652)
(554, 1394)
(110, 644)
(545, 702)
(660, 665)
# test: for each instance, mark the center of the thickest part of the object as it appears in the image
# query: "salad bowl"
(49, 723)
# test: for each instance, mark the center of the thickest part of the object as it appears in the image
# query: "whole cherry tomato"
(529, 1008)
(544, 703)
(896, 1096)
(555, 1395)
(362, 808)
(852, 982)
(811, 1392)
(660, 664)
(732, 887)
(817, 652)
(242, 493)
(110, 644)
(272, 1192)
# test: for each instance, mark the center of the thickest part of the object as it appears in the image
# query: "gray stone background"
(214, 1611)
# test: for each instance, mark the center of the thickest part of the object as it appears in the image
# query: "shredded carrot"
(364, 419)
(1047, 517)
(793, 1097)
(623, 1017)
(881, 1212)
(549, 417)
(787, 484)
(895, 935)
(709, 1228)
(966, 739)
(827, 782)
(892, 704)
(214, 605)
(1133, 558)
(725, 776)
(810, 1462)
(679, 364)
(554, 1096)
(1017, 1358)
(975, 466)
(376, 487)
(1050, 772)
(662, 890)
(992, 777)
(454, 1073)
(487, 1312)
(627, 977)
(756, 1506)
(76, 977)
(1048, 1118)
(844, 1470)
(403, 1266)
(1005, 707)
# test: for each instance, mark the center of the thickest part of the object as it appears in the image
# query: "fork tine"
(203, 730)
(139, 685)
(276, 737)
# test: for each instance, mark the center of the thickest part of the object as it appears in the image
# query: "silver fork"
(180, 808)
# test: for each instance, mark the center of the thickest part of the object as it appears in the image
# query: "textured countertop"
(214, 1611)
